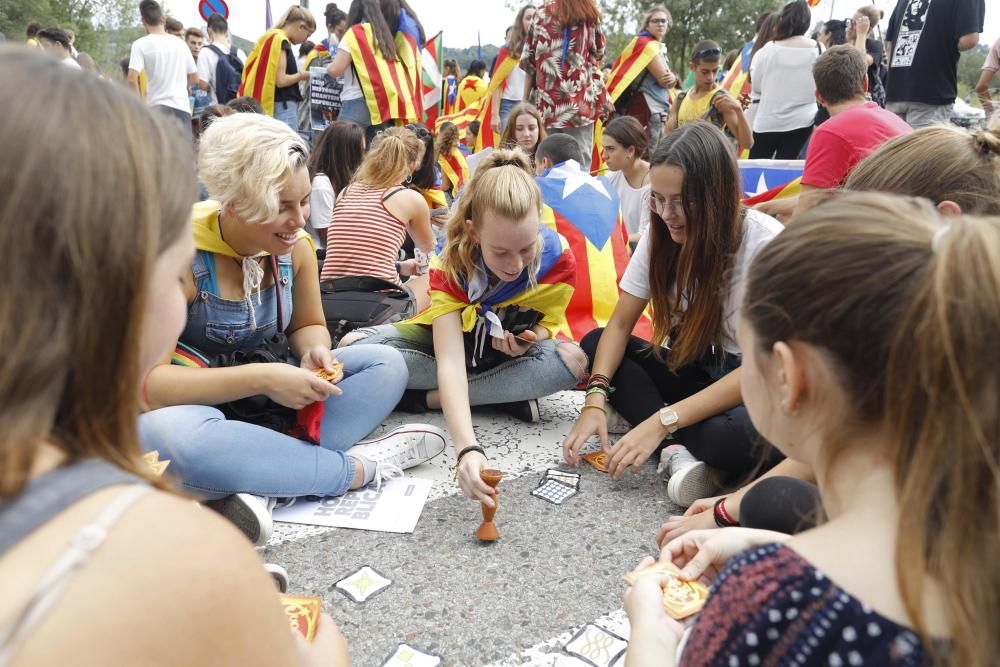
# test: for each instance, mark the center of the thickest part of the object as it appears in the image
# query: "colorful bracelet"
(722, 518)
(597, 390)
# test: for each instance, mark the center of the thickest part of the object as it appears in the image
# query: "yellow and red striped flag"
(260, 73)
(455, 169)
(506, 63)
(471, 91)
(630, 64)
(391, 91)
(461, 118)
(789, 189)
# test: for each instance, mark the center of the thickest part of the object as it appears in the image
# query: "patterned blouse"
(566, 65)
(770, 606)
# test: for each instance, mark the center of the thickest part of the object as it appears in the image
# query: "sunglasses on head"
(707, 53)
(421, 132)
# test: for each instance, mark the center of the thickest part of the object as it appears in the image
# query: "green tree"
(970, 64)
(731, 23)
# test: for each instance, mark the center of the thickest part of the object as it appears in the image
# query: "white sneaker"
(689, 479)
(250, 513)
(617, 425)
(400, 449)
(279, 575)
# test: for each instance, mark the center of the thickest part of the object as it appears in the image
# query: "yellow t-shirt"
(695, 109)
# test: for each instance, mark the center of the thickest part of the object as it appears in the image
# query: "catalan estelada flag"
(450, 96)
(471, 90)
(586, 211)
(455, 169)
(789, 189)
(460, 119)
(391, 88)
(489, 311)
(506, 63)
(630, 64)
(431, 85)
(737, 81)
(260, 73)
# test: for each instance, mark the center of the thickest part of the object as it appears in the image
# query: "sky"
(485, 19)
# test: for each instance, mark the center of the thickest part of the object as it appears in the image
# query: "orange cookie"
(680, 598)
(303, 613)
(597, 459)
(333, 376)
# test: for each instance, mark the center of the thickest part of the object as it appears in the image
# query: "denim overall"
(216, 325)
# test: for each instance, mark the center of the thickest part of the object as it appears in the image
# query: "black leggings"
(784, 504)
(779, 145)
(643, 384)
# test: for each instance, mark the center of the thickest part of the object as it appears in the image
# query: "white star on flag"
(576, 178)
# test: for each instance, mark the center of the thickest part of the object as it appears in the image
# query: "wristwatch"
(669, 419)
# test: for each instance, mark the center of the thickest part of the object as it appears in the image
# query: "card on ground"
(303, 613)
(596, 646)
(554, 491)
(597, 459)
(362, 584)
(407, 656)
(569, 478)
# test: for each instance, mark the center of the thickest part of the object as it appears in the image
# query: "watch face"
(668, 417)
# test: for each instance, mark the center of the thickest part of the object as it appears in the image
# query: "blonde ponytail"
(389, 162)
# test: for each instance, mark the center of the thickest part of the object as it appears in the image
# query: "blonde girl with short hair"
(499, 290)
(376, 212)
(84, 517)
(254, 276)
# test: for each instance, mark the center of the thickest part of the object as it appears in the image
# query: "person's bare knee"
(353, 337)
(574, 358)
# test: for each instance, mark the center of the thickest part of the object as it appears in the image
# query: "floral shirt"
(566, 65)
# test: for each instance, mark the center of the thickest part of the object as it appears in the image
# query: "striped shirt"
(364, 238)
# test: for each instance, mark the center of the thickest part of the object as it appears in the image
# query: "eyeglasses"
(659, 21)
(661, 206)
(707, 53)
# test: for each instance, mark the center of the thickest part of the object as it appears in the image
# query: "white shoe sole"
(692, 483)
(433, 443)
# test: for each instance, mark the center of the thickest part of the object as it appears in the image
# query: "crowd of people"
(814, 371)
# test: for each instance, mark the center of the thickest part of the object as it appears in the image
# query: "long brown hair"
(508, 138)
(966, 167)
(571, 12)
(515, 42)
(906, 303)
(80, 251)
(695, 272)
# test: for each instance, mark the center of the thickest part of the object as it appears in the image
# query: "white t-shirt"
(352, 89)
(71, 63)
(321, 201)
(635, 202)
(758, 231)
(782, 79)
(208, 62)
(515, 85)
(167, 62)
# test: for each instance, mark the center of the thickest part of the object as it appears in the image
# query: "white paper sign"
(395, 508)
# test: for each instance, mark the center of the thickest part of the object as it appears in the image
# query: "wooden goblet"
(487, 531)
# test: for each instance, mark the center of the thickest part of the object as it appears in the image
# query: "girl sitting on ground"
(255, 275)
(375, 213)
(703, 240)
(335, 158)
(625, 154)
(499, 291)
(870, 357)
(524, 128)
(101, 562)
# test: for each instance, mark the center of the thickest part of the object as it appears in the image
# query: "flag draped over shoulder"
(455, 169)
(736, 82)
(550, 295)
(431, 84)
(471, 91)
(392, 89)
(586, 211)
(506, 63)
(260, 73)
(319, 51)
(632, 62)
(205, 224)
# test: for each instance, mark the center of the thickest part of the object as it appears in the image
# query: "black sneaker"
(526, 411)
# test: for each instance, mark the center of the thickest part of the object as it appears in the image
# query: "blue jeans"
(539, 372)
(505, 107)
(357, 112)
(287, 113)
(215, 457)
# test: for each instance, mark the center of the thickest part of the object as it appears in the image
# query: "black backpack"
(228, 74)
